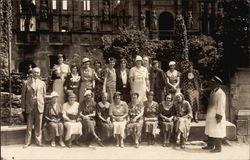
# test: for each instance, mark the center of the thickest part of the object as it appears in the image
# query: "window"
(65, 4)
(86, 5)
(22, 21)
(33, 23)
(53, 4)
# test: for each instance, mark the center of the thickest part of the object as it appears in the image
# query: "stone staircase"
(11, 135)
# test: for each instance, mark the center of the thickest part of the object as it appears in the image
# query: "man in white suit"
(215, 120)
(33, 93)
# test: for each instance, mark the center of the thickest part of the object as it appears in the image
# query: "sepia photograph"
(125, 79)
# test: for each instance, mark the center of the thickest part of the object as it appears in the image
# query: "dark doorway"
(148, 19)
(24, 66)
(166, 25)
(53, 60)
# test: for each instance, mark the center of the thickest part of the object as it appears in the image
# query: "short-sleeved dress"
(167, 111)
(135, 127)
(72, 128)
(98, 84)
(118, 111)
(151, 111)
(87, 79)
(105, 128)
(173, 78)
(139, 84)
(110, 75)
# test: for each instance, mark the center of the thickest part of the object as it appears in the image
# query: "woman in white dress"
(72, 122)
(173, 79)
(60, 71)
(139, 81)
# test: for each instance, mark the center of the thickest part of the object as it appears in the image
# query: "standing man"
(33, 93)
(215, 120)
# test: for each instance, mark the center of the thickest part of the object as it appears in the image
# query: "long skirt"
(134, 128)
(105, 129)
(193, 98)
(87, 85)
(88, 126)
(183, 125)
(53, 130)
(119, 128)
(151, 127)
(72, 128)
(110, 89)
(167, 126)
(58, 87)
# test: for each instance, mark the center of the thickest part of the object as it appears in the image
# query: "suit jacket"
(156, 79)
(32, 95)
(119, 84)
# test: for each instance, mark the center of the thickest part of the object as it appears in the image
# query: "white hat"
(87, 93)
(85, 60)
(54, 94)
(217, 79)
(138, 58)
(171, 63)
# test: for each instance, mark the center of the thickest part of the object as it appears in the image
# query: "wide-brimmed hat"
(84, 60)
(217, 79)
(172, 63)
(54, 94)
(138, 58)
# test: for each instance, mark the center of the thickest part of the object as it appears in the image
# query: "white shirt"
(124, 76)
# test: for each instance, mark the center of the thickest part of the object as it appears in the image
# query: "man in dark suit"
(33, 93)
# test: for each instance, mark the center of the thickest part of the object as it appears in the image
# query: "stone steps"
(15, 134)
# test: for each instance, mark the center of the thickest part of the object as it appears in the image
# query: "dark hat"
(123, 60)
(135, 93)
(217, 79)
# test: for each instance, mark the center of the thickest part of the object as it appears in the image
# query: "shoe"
(136, 145)
(62, 143)
(53, 143)
(215, 150)
(99, 142)
(26, 146)
(122, 145)
(164, 144)
(182, 146)
(196, 121)
(178, 141)
(207, 148)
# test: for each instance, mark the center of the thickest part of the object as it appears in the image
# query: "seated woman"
(87, 113)
(103, 119)
(183, 119)
(151, 117)
(118, 111)
(53, 118)
(71, 121)
(166, 116)
(135, 123)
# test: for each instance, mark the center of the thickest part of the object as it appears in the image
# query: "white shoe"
(62, 143)
(53, 143)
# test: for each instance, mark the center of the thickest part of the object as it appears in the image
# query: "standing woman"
(109, 84)
(173, 79)
(182, 119)
(53, 118)
(72, 123)
(72, 82)
(98, 81)
(139, 81)
(103, 119)
(87, 112)
(87, 78)
(118, 111)
(122, 80)
(135, 123)
(60, 71)
(151, 117)
(166, 118)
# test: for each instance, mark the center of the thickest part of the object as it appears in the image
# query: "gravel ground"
(193, 151)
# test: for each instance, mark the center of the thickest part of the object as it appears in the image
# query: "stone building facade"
(45, 28)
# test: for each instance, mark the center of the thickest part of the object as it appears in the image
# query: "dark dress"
(122, 87)
(135, 127)
(99, 85)
(105, 128)
(151, 111)
(166, 125)
(73, 84)
(88, 124)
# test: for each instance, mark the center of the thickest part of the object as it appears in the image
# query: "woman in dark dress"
(166, 116)
(135, 123)
(87, 112)
(151, 117)
(72, 82)
(98, 81)
(122, 80)
(182, 119)
(103, 119)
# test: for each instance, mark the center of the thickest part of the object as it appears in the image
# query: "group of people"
(98, 104)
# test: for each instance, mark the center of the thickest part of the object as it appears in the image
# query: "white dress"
(139, 76)
(62, 71)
